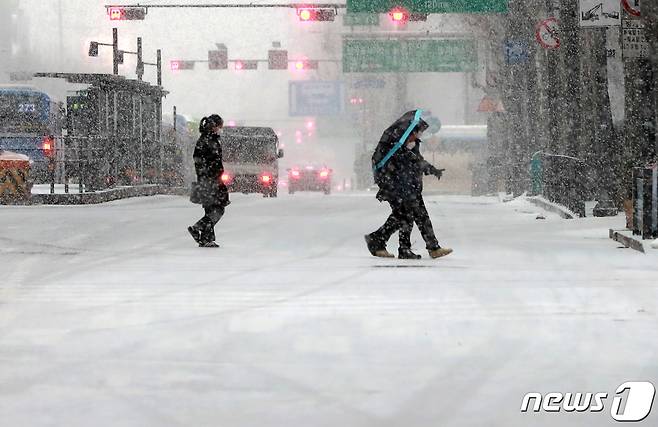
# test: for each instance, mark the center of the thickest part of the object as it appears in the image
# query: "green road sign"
(360, 19)
(429, 6)
(409, 56)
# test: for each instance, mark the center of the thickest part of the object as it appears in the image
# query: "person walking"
(398, 168)
(209, 190)
(419, 212)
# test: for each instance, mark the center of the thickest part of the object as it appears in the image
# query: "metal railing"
(98, 162)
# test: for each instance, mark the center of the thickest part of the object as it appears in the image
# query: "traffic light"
(307, 14)
(127, 13)
(306, 64)
(277, 59)
(93, 49)
(399, 15)
(182, 65)
(418, 17)
(217, 59)
(245, 65)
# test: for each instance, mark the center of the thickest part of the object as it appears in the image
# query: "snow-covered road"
(111, 316)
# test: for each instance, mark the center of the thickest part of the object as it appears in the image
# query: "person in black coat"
(211, 192)
(399, 175)
(420, 215)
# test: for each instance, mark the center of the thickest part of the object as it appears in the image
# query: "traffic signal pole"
(140, 62)
(229, 5)
(159, 66)
(115, 51)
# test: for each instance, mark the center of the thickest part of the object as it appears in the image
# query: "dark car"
(309, 178)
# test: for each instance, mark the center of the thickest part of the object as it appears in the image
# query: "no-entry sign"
(547, 33)
(632, 7)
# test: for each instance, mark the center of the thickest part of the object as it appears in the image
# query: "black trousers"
(206, 225)
(422, 219)
(401, 218)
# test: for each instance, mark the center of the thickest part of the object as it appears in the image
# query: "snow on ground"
(110, 316)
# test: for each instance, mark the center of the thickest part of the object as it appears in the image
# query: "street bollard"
(645, 202)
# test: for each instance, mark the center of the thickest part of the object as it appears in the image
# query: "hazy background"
(54, 35)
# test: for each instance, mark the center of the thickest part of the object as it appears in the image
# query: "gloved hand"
(438, 173)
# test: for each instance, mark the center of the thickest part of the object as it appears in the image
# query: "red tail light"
(294, 174)
(226, 178)
(324, 174)
(266, 179)
(48, 145)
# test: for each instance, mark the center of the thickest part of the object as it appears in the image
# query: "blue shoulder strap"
(401, 142)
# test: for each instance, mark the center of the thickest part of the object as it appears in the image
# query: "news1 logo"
(632, 402)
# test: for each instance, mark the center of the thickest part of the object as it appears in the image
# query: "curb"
(551, 207)
(628, 241)
(105, 196)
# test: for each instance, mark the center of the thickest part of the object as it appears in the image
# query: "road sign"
(547, 33)
(635, 42)
(632, 7)
(315, 98)
(516, 52)
(600, 13)
(491, 104)
(429, 6)
(360, 19)
(369, 84)
(409, 56)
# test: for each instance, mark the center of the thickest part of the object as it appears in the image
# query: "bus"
(251, 159)
(31, 124)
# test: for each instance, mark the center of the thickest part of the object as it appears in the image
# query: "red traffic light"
(307, 14)
(181, 65)
(399, 15)
(127, 13)
(306, 64)
(245, 65)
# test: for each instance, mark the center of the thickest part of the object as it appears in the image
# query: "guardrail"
(97, 163)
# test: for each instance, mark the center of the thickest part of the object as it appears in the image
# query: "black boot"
(405, 253)
(195, 233)
(376, 247)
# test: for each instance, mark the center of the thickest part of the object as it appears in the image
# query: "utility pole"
(650, 18)
(115, 51)
(61, 27)
(159, 66)
(140, 62)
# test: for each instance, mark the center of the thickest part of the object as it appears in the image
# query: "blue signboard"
(516, 52)
(316, 98)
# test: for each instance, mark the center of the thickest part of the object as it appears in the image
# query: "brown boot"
(439, 252)
(383, 253)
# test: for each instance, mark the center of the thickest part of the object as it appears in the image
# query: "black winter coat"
(209, 169)
(401, 179)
